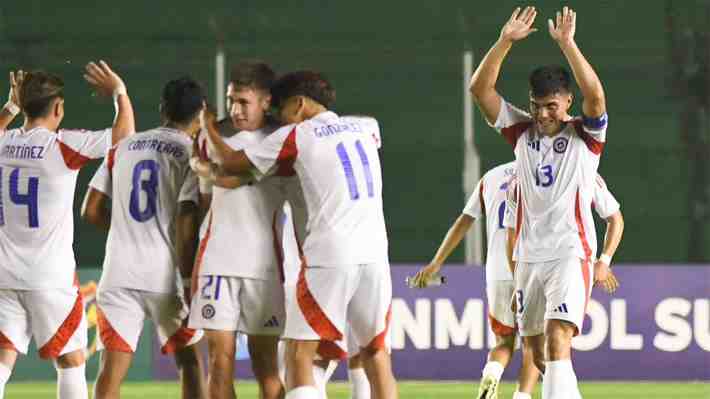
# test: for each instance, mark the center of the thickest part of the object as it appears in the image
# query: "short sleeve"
(604, 203)
(475, 206)
(81, 146)
(512, 122)
(593, 132)
(102, 180)
(510, 219)
(189, 190)
(275, 154)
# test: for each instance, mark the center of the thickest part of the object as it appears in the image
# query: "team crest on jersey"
(208, 311)
(560, 145)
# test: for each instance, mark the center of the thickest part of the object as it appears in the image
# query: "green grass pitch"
(414, 390)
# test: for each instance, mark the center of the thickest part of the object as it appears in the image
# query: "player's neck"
(184, 128)
(314, 110)
(40, 122)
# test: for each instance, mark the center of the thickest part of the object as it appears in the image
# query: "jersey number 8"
(149, 186)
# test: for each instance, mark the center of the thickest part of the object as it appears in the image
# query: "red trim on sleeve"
(312, 312)
(596, 147)
(111, 160)
(53, 348)
(110, 338)
(287, 155)
(513, 133)
(72, 158)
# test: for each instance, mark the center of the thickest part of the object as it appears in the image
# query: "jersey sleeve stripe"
(596, 147)
(72, 158)
(513, 133)
(329, 350)
(595, 123)
(312, 312)
(110, 338)
(287, 155)
(379, 342)
(53, 348)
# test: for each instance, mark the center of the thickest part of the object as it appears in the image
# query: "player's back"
(150, 175)
(38, 171)
(494, 186)
(339, 168)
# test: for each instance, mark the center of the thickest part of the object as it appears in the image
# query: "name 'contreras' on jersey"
(337, 162)
(556, 176)
(38, 171)
(488, 199)
(149, 176)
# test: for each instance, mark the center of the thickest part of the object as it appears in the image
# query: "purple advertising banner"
(655, 327)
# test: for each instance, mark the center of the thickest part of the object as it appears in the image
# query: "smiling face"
(550, 112)
(247, 106)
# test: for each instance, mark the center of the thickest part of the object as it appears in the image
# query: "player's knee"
(71, 359)
(558, 340)
(505, 343)
(301, 351)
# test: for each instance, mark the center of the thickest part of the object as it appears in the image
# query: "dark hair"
(548, 80)
(303, 83)
(182, 99)
(254, 74)
(38, 90)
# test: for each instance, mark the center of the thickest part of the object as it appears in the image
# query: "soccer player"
(39, 164)
(557, 157)
(239, 287)
(152, 235)
(489, 200)
(345, 276)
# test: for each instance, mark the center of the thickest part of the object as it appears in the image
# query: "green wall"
(399, 61)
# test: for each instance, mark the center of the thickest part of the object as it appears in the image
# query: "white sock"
(359, 384)
(71, 383)
(521, 395)
(559, 381)
(303, 392)
(332, 365)
(4, 376)
(494, 369)
(319, 379)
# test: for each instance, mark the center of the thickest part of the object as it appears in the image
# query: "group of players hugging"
(284, 198)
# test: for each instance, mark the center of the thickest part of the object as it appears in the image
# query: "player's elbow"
(617, 220)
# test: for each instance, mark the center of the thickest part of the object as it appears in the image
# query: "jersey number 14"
(28, 199)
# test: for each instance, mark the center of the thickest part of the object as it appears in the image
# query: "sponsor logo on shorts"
(562, 308)
(272, 322)
(208, 311)
(560, 145)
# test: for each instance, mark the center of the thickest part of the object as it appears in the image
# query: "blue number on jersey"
(501, 215)
(547, 174)
(348, 169)
(149, 186)
(28, 199)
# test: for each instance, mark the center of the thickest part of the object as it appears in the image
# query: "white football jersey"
(337, 162)
(150, 175)
(38, 171)
(488, 199)
(556, 177)
(603, 203)
(240, 240)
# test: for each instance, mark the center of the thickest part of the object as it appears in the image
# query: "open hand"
(519, 26)
(562, 30)
(16, 79)
(605, 277)
(104, 79)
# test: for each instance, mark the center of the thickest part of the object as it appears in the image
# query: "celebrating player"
(556, 161)
(239, 287)
(489, 199)
(153, 232)
(39, 164)
(345, 277)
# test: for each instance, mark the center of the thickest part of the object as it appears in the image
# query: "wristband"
(606, 259)
(11, 108)
(118, 91)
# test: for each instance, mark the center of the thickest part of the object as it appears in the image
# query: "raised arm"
(12, 106)
(108, 83)
(452, 239)
(233, 162)
(484, 79)
(562, 31)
